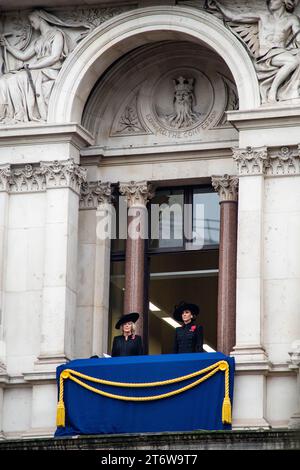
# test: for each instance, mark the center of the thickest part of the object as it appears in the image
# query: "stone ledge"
(198, 440)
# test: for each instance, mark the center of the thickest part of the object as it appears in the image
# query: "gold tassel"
(60, 414)
(226, 411)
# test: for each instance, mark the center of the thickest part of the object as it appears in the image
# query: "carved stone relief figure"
(183, 115)
(274, 42)
(25, 92)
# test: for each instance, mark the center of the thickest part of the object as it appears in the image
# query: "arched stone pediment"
(130, 30)
(162, 93)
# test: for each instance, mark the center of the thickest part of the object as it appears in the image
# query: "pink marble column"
(226, 186)
(137, 195)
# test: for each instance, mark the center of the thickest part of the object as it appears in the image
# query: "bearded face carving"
(183, 115)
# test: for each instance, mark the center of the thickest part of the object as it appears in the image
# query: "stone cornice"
(265, 117)
(136, 193)
(30, 134)
(226, 186)
(94, 193)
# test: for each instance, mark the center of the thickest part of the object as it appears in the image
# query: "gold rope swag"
(209, 371)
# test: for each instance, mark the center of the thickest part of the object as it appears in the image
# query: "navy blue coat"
(188, 339)
(131, 347)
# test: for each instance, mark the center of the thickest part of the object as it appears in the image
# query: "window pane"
(189, 276)
(207, 205)
(116, 297)
(166, 229)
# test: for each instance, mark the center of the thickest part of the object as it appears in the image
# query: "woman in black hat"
(189, 336)
(128, 343)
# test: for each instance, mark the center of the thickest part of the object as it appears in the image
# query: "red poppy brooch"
(193, 328)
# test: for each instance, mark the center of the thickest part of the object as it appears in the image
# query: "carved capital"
(64, 174)
(5, 174)
(94, 193)
(226, 186)
(251, 161)
(295, 353)
(27, 179)
(284, 162)
(136, 193)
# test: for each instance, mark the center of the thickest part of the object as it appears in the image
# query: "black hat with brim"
(180, 308)
(133, 316)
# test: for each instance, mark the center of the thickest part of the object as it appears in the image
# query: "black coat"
(131, 347)
(188, 339)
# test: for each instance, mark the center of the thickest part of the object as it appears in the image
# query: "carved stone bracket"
(226, 186)
(94, 193)
(5, 174)
(251, 161)
(136, 193)
(67, 174)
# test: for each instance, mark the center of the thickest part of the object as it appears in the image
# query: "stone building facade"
(153, 101)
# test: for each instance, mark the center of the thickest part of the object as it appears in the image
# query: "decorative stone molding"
(251, 161)
(94, 193)
(284, 162)
(257, 161)
(31, 178)
(226, 186)
(136, 193)
(27, 179)
(66, 174)
(5, 174)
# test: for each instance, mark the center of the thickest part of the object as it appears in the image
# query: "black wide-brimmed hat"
(133, 316)
(193, 308)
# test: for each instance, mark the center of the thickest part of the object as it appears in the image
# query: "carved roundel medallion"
(182, 99)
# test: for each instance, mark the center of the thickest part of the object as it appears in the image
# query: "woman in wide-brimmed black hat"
(128, 343)
(189, 336)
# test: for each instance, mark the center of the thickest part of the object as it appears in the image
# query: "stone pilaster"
(96, 218)
(249, 352)
(227, 187)
(5, 175)
(102, 276)
(294, 365)
(251, 164)
(63, 181)
(137, 195)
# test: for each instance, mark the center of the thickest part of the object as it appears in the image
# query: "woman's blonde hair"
(132, 328)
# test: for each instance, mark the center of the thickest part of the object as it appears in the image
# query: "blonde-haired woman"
(128, 343)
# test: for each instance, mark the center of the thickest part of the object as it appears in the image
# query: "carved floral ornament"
(31, 178)
(269, 162)
(95, 193)
(136, 193)
(226, 186)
